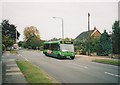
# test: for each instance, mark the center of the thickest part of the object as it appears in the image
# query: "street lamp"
(16, 36)
(62, 26)
(88, 34)
(0, 43)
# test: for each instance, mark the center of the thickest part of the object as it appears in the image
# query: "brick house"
(84, 35)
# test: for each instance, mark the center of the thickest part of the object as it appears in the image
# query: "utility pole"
(88, 34)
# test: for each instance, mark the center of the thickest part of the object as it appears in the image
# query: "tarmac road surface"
(79, 70)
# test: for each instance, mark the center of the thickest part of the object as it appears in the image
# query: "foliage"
(82, 45)
(94, 44)
(13, 51)
(55, 39)
(32, 38)
(20, 43)
(68, 39)
(7, 41)
(105, 61)
(30, 32)
(116, 37)
(8, 33)
(105, 45)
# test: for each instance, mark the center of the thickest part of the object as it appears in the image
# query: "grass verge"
(34, 74)
(13, 51)
(105, 61)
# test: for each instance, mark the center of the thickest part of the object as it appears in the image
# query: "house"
(85, 35)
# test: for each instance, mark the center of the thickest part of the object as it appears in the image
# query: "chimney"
(95, 28)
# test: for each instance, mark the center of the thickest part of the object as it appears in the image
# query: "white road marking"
(15, 73)
(23, 57)
(11, 65)
(112, 74)
(58, 60)
(81, 66)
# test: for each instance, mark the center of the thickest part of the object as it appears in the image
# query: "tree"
(55, 39)
(8, 33)
(105, 45)
(20, 43)
(80, 45)
(31, 31)
(32, 38)
(116, 37)
(68, 39)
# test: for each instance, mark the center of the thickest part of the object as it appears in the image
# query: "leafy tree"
(68, 39)
(54, 39)
(20, 43)
(8, 33)
(80, 45)
(94, 44)
(32, 38)
(105, 45)
(116, 37)
(30, 32)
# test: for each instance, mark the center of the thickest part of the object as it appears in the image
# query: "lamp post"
(62, 26)
(0, 42)
(16, 36)
(88, 34)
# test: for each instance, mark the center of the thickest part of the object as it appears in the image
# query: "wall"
(96, 34)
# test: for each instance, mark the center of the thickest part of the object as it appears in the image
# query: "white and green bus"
(59, 49)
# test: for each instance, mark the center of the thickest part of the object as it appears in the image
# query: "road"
(79, 70)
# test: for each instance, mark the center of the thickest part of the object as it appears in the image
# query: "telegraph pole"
(88, 34)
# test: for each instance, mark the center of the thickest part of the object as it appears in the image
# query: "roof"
(51, 42)
(84, 35)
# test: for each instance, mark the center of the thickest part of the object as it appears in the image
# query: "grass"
(33, 74)
(13, 51)
(105, 61)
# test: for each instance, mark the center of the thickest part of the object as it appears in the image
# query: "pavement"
(11, 72)
(90, 58)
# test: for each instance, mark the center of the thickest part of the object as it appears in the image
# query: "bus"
(59, 49)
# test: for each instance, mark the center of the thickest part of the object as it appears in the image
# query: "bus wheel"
(46, 54)
(72, 57)
(59, 56)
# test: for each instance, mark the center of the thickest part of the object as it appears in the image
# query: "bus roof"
(59, 42)
(52, 42)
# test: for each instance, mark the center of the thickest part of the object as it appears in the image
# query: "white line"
(15, 73)
(112, 74)
(81, 66)
(24, 57)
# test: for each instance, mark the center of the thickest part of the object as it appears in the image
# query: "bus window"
(55, 46)
(46, 46)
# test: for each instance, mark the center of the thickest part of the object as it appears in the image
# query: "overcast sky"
(74, 14)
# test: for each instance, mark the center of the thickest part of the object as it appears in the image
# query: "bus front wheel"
(72, 57)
